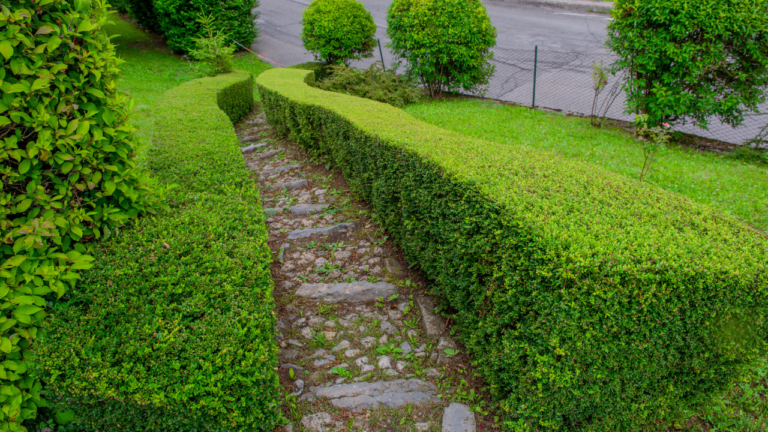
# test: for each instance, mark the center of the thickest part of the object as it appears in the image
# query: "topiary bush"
(68, 174)
(590, 301)
(692, 59)
(174, 327)
(446, 44)
(373, 83)
(336, 31)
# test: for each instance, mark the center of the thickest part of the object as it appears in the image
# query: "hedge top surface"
(590, 216)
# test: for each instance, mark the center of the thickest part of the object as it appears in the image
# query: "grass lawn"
(150, 69)
(737, 187)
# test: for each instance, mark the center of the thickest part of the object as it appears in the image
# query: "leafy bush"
(119, 5)
(692, 59)
(590, 301)
(213, 48)
(174, 327)
(337, 31)
(445, 43)
(68, 173)
(144, 12)
(177, 20)
(373, 83)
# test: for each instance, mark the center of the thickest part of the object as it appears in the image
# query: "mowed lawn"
(737, 187)
(150, 69)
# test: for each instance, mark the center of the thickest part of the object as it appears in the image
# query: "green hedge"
(590, 301)
(177, 20)
(174, 327)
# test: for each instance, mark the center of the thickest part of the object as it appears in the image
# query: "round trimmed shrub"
(445, 43)
(336, 31)
(692, 59)
(68, 174)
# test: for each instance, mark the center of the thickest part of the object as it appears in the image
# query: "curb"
(582, 5)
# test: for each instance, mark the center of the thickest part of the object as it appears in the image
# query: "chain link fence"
(563, 81)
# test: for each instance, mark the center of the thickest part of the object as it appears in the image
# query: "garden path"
(362, 347)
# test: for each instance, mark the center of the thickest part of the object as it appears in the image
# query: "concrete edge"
(580, 5)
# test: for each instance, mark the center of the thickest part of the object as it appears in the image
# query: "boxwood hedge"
(174, 327)
(590, 301)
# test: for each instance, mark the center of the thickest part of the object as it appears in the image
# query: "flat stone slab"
(458, 418)
(346, 292)
(290, 185)
(251, 148)
(390, 394)
(308, 208)
(320, 231)
(433, 324)
(269, 154)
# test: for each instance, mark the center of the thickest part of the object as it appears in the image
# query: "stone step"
(458, 418)
(268, 154)
(391, 394)
(250, 148)
(278, 170)
(290, 185)
(320, 231)
(346, 292)
(308, 208)
(433, 324)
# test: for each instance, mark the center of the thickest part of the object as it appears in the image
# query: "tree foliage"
(67, 170)
(445, 43)
(336, 31)
(692, 59)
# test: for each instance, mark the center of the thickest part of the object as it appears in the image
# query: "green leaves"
(336, 31)
(6, 49)
(445, 43)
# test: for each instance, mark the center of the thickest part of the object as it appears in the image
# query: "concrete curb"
(581, 5)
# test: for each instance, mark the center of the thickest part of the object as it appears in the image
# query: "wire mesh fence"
(563, 81)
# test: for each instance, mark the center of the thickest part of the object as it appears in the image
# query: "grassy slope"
(150, 69)
(736, 187)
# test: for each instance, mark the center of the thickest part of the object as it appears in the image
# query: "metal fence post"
(382, 55)
(535, 66)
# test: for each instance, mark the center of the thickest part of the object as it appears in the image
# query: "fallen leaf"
(166, 246)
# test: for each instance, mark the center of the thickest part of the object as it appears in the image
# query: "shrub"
(213, 49)
(373, 83)
(692, 59)
(336, 31)
(119, 5)
(174, 327)
(177, 20)
(445, 43)
(68, 173)
(590, 301)
(144, 13)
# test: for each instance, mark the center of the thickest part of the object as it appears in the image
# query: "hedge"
(177, 20)
(589, 301)
(174, 327)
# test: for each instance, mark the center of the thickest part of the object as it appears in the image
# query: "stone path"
(361, 345)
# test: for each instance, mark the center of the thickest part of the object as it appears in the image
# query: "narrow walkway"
(362, 348)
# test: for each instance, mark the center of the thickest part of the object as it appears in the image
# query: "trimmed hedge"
(174, 327)
(590, 301)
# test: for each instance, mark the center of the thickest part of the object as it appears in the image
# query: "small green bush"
(590, 301)
(213, 48)
(337, 31)
(373, 83)
(177, 20)
(321, 70)
(446, 43)
(119, 5)
(68, 174)
(692, 59)
(174, 327)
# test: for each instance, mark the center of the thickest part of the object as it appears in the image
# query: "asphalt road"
(519, 27)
